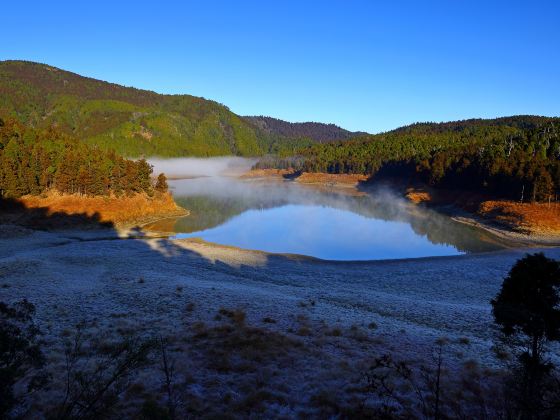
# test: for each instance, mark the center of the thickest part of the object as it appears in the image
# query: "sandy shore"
(396, 293)
(526, 235)
(527, 224)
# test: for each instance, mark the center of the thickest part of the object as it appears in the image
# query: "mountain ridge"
(319, 132)
(131, 121)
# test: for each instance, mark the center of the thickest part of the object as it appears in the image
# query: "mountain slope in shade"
(318, 132)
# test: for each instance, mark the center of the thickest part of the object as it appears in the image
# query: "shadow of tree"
(90, 227)
(15, 212)
(184, 292)
(130, 289)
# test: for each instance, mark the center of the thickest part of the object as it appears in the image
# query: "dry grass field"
(119, 211)
(533, 218)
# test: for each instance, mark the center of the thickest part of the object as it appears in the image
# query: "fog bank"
(193, 167)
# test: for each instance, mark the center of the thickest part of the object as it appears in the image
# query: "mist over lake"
(193, 167)
(283, 216)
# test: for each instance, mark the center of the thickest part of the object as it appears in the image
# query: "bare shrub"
(237, 316)
(235, 346)
(96, 374)
(21, 357)
(431, 391)
(167, 367)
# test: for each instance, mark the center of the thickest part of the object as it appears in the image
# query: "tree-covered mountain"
(131, 121)
(514, 157)
(34, 161)
(318, 132)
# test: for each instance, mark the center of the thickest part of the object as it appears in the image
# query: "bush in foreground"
(527, 309)
(21, 358)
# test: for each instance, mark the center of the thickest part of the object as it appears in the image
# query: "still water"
(335, 224)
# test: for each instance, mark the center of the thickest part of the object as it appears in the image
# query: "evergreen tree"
(35, 161)
(528, 308)
(161, 183)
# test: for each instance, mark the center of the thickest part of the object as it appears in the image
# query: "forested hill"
(522, 122)
(318, 132)
(36, 161)
(514, 157)
(131, 121)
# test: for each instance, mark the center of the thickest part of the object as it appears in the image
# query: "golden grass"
(317, 177)
(263, 173)
(119, 210)
(541, 218)
(418, 196)
(308, 177)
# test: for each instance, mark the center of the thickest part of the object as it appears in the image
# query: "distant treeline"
(514, 157)
(318, 132)
(34, 161)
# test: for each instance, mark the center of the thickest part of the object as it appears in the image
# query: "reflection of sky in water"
(323, 232)
(338, 224)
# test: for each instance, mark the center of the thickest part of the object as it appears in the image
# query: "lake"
(335, 224)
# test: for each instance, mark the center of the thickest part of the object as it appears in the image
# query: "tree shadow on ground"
(16, 219)
(136, 295)
(15, 212)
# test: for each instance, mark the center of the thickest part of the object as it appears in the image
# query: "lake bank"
(525, 224)
(311, 178)
(122, 212)
(248, 323)
(528, 224)
(328, 222)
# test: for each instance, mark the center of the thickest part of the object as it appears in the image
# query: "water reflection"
(341, 225)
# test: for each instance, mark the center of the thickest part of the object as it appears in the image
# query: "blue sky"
(364, 65)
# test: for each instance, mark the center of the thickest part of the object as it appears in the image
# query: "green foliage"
(316, 132)
(515, 157)
(529, 301)
(527, 309)
(131, 121)
(33, 161)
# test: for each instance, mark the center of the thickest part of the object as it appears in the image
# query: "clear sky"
(365, 65)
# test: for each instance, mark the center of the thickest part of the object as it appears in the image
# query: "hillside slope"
(317, 132)
(514, 157)
(131, 121)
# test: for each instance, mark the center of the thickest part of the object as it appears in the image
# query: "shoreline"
(65, 211)
(307, 178)
(330, 316)
(135, 227)
(423, 198)
(531, 237)
(523, 239)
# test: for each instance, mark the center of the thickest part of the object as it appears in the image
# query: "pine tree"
(161, 183)
(33, 161)
(116, 182)
(144, 176)
(83, 180)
